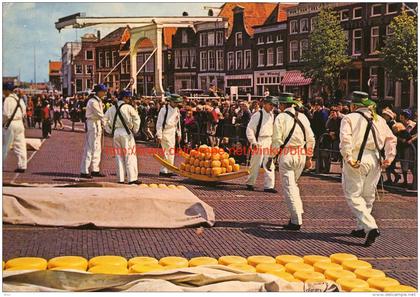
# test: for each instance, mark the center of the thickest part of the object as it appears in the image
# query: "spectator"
(46, 120)
(57, 115)
(30, 112)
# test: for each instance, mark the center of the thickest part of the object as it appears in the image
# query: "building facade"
(68, 52)
(84, 64)
(54, 74)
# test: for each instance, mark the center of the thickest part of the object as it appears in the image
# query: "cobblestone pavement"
(247, 223)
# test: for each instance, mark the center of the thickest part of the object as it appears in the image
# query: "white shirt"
(129, 114)
(352, 131)
(9, 105)
(94, 109)
(282, 127)
(266, 126)
(173, 120)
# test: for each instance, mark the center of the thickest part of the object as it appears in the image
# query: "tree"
(326, 56)
(400, 51)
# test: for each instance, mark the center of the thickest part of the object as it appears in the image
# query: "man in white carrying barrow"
(123, 122)
(168, 130)
(363, 137)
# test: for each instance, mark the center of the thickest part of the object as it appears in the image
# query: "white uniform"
(124, 144)
(263, 143)
(359, 184)
(292, 159)
(15, 134)
(167, 135)
(92, 150)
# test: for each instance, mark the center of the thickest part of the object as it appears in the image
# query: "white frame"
(193, 57)
(260, 40)
(269, 38)
(301, 26)
(386, 76)
(107, 59)
(354, 43)
(86, 84)
(291, 51)
(221, 35)
(387, 8)
(371, 40)
(220, 58)
(75, 68)
(184, 36)
(341, 15)
(250, 59)
(372, 7)
(214, 60)
(312, 23)
(301, 48)
(202, 39)
(75, 84)
(89, 50)
(236, 60)
(261, 53)
(231, 57)
(272, 56)
(113, 56)
(291, 27)
(236, 39)
(100, 59)
(279, 39)
(209, 38)
(376, 75)
(86, 68)
(203, 57)
(185, 53)
(279, 49)
(353, 14)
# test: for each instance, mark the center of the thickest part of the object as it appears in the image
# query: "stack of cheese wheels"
(210, 161)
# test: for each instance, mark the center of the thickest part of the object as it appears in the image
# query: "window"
(238, 39)
(79, 85)
(303, 47)
(203, 61)
(210, 37)
(89, 55)
(314, 21)
(261, 55)
(88, 84)
(178, 59)
(220, 37)
(270, 56)
(260, 40)
(89, 69)
(107, 59)
(100, 60)
(124, 66)
(279, 37)
(203, 40)
(357, 13)
(373, 81)
(185, 59)
(374, 40)
(212, 60)
(219, 60)
(79, 69)
(150, 65)
(375, 10)
(192, 58)
(184, 36)
(140, 60)
(344, 15)
(248, 59)
(269, 39)
(391, 8)
(357, 42)
(294, 27)
(294, 51)
(231, 61)
(389, 86)
(114, 58)
(304, 26)
(279, 58)
(389, 30)
(238, 60)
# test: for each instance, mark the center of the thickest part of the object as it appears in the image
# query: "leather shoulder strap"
(257, 133)
(369, 128)
(118, 114)
(14, 113)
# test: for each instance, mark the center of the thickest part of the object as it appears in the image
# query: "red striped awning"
(295, 79)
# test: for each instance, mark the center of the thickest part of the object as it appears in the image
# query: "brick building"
(54, 74)
(84, 64)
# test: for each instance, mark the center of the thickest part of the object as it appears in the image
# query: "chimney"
(98, 35)
(185, 13)
(238, 15)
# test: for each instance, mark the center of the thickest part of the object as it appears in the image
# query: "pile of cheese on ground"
(210, 161)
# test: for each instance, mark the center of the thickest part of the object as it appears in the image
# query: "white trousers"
(290, 168)
(259, 157)
(92, 150)
(359, 185)
(15, 135)
(125, 155)
(168, 146)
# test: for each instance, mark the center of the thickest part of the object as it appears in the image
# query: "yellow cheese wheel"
(108, 269)
(174, 261)
(285, 259)
(70, 262)
(187, 167)
(208, 171)
(242, 267)
(203, 170)
(162, 186)
(231, 161)
(349, 284)
(201, 163)
(225, 156)
(283, 275)
(196, 163)
(341, 257)
(108, 260)
(223, 170)
(215, 157)
(215, 171)
(265, 267)
(312, 259)
(334, 274)
(192, 161)
(143, 186)
(216, 164)
(203, 148)
(181, 187)
(27, 262)
(255, 260)
(225, 163)
(200, 261)
(207, 164)
(323, 266)
(367, 273)
(400, 288)
(142, 260)
(229, 169)
(309, 275)
(68, 268)
(202, 156)
(227, 260)
(352, 265)
(182, 166)
(236, 167)
(146, 267)
(153, 186)
(173, 187)
(364, 290)
(208, 156)
(381, 283)
(23, 267)
(294, 267)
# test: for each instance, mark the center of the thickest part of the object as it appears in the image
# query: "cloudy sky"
(31, 25)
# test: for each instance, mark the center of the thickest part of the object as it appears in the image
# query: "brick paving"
(247, 223)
